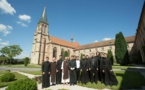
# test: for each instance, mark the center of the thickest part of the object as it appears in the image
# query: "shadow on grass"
(131, 79)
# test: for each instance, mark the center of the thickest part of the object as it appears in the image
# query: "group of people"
(70, 71)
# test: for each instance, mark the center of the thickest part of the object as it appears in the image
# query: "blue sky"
(87, 20)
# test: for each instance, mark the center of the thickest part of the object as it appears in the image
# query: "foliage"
(110, 56)
(3, 59)
(7, 77)
(23, 84)
(26, 61)
(66, 54)
(81, 56)
(121, 52)
(11, 51)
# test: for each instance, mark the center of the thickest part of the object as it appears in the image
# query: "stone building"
(139, 43)
(46, 45)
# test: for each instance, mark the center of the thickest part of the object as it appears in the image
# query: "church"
(46, 45)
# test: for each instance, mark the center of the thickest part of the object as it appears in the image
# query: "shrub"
(26, 61)
(23, 84)
(7, 77)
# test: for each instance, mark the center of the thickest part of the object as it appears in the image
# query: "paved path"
(20, 69)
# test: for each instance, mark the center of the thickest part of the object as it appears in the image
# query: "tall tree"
(121, 52)
(11, 51)
(110, 56)
(66, 54)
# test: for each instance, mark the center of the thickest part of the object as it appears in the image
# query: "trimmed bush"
(23, 84)
(7, 77)
(26, 61)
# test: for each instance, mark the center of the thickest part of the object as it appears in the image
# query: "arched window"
(62, 53)
(55, 52)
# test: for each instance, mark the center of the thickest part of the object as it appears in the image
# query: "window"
(90, 50)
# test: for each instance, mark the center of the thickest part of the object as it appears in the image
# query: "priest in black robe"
(110, 78)
(46, 73)
(84, 70)
(58, 70)
(72, 67)
(94, 69)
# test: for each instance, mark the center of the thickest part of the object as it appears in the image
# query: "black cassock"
(100, 66)
(110, 78)
(59, 73)
(84, 68)
(72, 64)
(94, 71)
(46, 77)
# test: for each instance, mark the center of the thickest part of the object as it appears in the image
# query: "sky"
(87, 21)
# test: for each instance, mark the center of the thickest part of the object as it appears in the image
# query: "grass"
(33, 72)
(17, 77)
(126, 80)
(22, 66)
(117, 66)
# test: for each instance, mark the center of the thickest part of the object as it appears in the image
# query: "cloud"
(6, 7)
(3, 43)
(96, 41)
(5, 29)
(25, 17)
(22, 24)
(105, 39)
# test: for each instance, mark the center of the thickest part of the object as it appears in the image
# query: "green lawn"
(33, 72)
(17, 77)
(21, 66)
(127, 80)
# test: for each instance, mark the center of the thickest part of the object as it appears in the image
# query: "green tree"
(11, 51)
(121, 52)
(110, 56)
(3, 59)
(81, 56)
(26, 61)
(66, 54)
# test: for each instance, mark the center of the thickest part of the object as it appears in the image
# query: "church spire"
(43, 17)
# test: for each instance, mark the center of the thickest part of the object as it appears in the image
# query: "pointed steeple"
(43, 17)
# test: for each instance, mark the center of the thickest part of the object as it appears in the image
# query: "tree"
(3, 59)
(26, 61)
(81, 56)
(66, 54)
(11, 51)
(110, 56)
(121, 52)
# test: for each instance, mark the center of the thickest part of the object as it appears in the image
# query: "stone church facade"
(46, 45)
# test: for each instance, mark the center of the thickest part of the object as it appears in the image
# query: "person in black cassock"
(59, 71)
(46, 73)
(101, 74)
(72, 67)
(94, 68)
(84, 70)
(110, 78)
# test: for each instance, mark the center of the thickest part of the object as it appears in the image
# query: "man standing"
(58, 70)
(72, 67)
(78, 69)
(65, 71)
(94, 68)
(46, 73)
(84, 70)
(53, 71)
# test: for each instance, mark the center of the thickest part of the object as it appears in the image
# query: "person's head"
(54, 60)
(105, 55)
(77, 57)
(93, 54)
(72, 57)
(47, 58)
(97, 53)
(83, 56)
(60, 57)
(87, 56)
